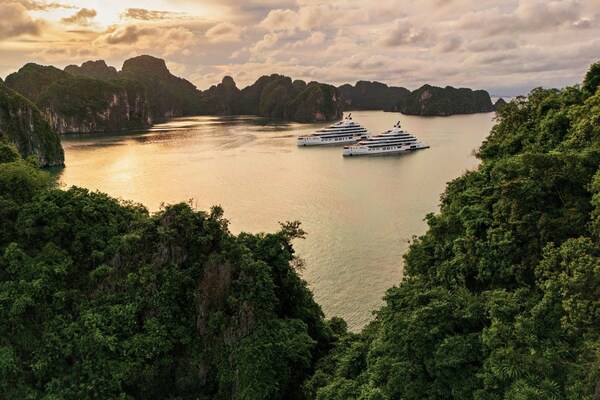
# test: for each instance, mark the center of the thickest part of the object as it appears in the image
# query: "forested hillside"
(80, 103)
(501, 297)
(100, 299)
(22, 124)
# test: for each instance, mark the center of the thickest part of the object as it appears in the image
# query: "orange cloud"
(171, 40)
(42, 5)
(142, 14)
(16, 22)
(81, 17)
(223, 32)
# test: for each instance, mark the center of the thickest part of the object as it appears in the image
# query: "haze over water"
(359, 212)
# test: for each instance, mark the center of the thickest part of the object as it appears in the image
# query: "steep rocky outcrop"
(318, 102)
(275, 96)
(75, 104)
(499, 103)
(79, 104)
(427, 100)
(93, 69)
(224, 98)
(436, 101)
(372, 96)
(22, 124)
(32, 79)
(169, 96)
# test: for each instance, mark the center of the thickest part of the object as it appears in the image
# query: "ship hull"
(367, 151)
(318, 141)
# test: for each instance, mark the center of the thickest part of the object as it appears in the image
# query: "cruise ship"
(346, 131)
(395, 140)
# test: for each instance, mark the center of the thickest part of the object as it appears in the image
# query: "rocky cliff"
(499, 103)
(169, 96)
(436, 101)
(93, 69)
(22, 124)
(224, 98)
(372, 95)
(32, 79)
(427, 100)
(318, 102)
(75, 104)
(276, 96)
(79, 104)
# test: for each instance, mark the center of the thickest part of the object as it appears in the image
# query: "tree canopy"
(100, 299)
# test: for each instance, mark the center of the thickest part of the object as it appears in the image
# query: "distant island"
(95, 97)
(425, 101)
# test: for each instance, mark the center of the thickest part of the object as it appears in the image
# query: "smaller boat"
(396, 140)
(343, 132)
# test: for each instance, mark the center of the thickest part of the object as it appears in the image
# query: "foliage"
(93, 69)
(22, 125)
(73, 103)
(592, 79)
(100, 299)
(433, 100)
(500, 298)
(367, 95)
(168, 95)
(276, 96)
(31, 80)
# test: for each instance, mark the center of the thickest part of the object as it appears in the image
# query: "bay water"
(359, 212)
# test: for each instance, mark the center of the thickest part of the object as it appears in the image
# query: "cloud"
(402, 33)
(223, 32)
(314, 39)
(280, 20)
(527, 17)
(261, 47)
(167, 40)
(33, 5)
(126, 34)
(450, 44)
(142, 14)
(500, 46)
(309, 17)
(81, 17)
(15, 21)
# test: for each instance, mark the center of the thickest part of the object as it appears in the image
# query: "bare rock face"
(23, 125)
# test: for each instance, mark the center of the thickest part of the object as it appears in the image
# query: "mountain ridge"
(97, 97)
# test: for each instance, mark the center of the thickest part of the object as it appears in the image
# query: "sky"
(506, 47)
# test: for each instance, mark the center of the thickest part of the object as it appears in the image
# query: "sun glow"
(110, 12)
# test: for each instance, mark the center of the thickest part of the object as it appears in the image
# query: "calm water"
(359, 212)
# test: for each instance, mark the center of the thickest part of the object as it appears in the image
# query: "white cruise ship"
(346, 131)
(395, 140)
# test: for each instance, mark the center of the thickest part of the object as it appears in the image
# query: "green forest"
(500, 298)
